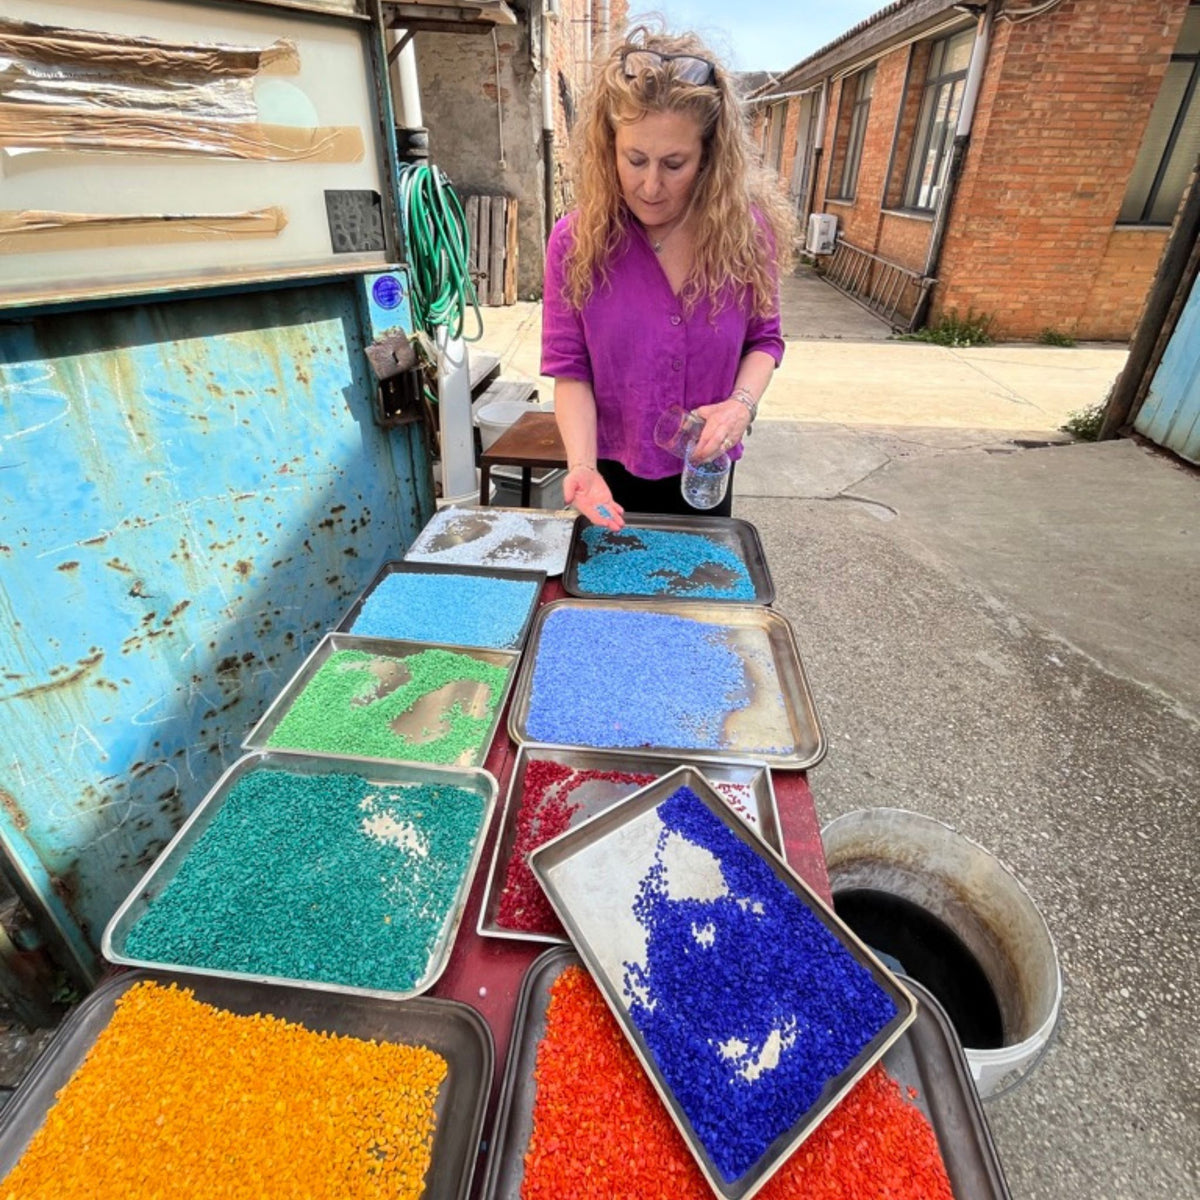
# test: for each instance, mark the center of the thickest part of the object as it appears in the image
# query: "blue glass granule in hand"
(749, 1004)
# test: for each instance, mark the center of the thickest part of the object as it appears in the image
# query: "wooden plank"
(472, 211)
(485, 242)
(510, 251)
(496, 253)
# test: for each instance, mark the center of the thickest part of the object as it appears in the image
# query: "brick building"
(1027, 157)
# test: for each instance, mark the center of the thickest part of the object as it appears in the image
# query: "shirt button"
(675, 318)
(677, 364)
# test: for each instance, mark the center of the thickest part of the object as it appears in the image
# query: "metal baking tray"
(426, 710)
(453, 1030)
(597, 795)
(927, 1057)
(779, 726)
(470, 534)
(591, 876)
(164, 868)
(536, 578)
(737, 536)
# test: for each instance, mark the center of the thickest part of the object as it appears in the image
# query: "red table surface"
(486, 972)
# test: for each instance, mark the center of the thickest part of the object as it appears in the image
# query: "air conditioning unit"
(822, 233)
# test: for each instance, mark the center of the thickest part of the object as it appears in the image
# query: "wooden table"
(532, 441)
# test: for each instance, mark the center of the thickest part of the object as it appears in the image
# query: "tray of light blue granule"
(688, 557)
(336, 874)
(675, 676)
(753, 1008)
(454, 606)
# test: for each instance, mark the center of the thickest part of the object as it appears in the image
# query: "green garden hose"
(438, 248)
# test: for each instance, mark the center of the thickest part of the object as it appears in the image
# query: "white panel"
(334, 87)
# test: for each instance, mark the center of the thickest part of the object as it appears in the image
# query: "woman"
(662, 286)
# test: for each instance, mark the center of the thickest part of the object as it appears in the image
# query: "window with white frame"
(1172, 139)
(859, 87)
(941, 103)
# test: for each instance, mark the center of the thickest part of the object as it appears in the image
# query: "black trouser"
(636, 495)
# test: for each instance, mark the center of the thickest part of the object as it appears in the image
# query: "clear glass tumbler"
(704, 483)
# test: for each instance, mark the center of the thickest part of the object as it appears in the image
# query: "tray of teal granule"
(395, 701)
(692, 558)
(458, 606)
(334, 874)
(670, 675)
(752, 1007)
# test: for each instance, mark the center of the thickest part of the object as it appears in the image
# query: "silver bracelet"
(742, 396)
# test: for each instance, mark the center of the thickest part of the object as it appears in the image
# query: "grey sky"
(762, 35)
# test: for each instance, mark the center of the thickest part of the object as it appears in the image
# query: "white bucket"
(935, 867)
(495, 417)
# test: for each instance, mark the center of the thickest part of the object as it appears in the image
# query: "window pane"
(916, 164)
(1183, 158)
(1189, 36)
(958, 51)
(1154, 143)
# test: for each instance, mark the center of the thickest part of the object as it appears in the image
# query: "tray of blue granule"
(338, 875)
(672, 675)
(456, 606)
(753, 1008)
(689, 557)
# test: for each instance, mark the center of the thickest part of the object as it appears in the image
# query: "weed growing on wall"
(952, 330)
(1053, 337)
(1085, 423)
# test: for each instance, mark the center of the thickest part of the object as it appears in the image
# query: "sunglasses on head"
(686, 67)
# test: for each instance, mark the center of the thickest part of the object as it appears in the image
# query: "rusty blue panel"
(192, 494)
(1170, 414)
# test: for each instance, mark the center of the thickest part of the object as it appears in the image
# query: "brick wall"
(1061, 116)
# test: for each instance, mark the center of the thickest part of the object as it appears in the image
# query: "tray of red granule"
(579, 1117)
(215, 1088)
(751, 1006)
(553, 788)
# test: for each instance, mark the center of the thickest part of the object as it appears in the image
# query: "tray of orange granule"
(219, 1088)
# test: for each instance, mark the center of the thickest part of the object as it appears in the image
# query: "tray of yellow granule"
(222, 1089)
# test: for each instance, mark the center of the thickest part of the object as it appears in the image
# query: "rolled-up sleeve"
(564, 346)
(765, 334)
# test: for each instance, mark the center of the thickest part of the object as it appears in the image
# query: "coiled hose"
(438, 248)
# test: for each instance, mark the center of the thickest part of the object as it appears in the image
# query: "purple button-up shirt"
(641, 352)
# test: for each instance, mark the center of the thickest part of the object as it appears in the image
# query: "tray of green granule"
(394, 701)
(335, 874)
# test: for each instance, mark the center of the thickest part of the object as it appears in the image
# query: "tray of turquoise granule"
(390, 700)
(671, 675)
(335, 874)
(457, 606)
(685, 557)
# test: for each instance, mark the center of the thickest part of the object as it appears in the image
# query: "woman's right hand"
(585, 490)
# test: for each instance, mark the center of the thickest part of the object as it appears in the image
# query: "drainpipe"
(603, 24)
(818, 146)
(411, 134)
(550, 14)
(958, 153)
(587, 37)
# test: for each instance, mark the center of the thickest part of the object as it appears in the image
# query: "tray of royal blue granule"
(336, 874)
(682, 557)
(455, 606)
(753, 1009)
(678, 676)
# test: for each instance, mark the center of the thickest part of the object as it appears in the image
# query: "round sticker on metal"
(387, 291)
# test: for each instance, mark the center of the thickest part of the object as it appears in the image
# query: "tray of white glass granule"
(390, 700)
(671, 557)
(674, 676)
(521, 539)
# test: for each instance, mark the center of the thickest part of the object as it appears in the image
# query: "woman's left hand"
(725, 425)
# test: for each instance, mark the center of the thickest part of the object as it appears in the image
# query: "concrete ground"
(1005, 638)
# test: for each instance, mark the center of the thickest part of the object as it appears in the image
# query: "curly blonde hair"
(743, 230)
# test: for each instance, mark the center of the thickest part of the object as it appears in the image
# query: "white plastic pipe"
(979, 50)
(454, 409)
(406, 88)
